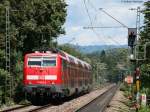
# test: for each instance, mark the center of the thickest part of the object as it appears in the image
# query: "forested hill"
(95, 48)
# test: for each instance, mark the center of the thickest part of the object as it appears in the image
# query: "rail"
(99, 103)
(16, 108)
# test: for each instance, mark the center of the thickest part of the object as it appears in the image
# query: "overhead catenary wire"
(113, 18)
(92, 5)
(103, 26)
(95, 9)
(123, 25)
(86, 8)
(88, 27)
(91, 22)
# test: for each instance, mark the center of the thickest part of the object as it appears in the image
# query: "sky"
(82, 14)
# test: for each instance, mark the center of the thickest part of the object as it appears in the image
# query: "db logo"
(41, 77)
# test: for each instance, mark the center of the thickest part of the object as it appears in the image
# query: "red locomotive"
(55, 74)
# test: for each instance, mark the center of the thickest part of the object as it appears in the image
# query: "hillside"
(90, 49)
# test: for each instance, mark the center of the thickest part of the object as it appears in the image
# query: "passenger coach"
(55, 74)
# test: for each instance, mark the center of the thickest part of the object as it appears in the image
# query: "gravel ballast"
(118, 103)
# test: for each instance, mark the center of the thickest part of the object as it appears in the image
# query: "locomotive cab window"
(49, 62)
(41, 61)
(34, 61)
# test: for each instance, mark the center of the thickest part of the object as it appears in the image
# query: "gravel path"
(118, 103)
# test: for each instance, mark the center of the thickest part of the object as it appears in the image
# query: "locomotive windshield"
(42, 61)
(49, 62)
(34, 61)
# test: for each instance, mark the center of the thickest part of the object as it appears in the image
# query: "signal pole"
(136, 59)
(136, 63)
(138, 20)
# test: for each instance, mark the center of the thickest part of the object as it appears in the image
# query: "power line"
(113, 17)
(95, 9)
(92, 5)
(92, 27)
(132, 1)
(114, 40)
(107, 38)
(102, 27)
(86, 8)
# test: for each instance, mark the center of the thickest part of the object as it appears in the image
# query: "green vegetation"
(145, 109)
(110, 63)
(144, 64)
(34, 24)
(71, 50)
(145, 37)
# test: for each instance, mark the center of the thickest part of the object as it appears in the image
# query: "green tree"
(145, 37)
(145, 33)
(33, 21)
(71, 50)
(33, 24)
(109, 61)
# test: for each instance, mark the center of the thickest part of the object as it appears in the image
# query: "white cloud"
(76, 28)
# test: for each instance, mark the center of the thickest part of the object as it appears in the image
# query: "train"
(54, 74)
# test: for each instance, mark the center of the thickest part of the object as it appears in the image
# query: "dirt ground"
(118, 103)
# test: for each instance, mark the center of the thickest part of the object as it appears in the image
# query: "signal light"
(131, 39)
(137, 72)
(132, 34)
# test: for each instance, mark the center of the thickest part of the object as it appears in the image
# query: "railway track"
(16, 108)
(70, 105)
(38, 109)
(26, 108)
(100, 103)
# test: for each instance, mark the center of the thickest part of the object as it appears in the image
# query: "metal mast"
(138, 22)
(8, 78)
(7, 40)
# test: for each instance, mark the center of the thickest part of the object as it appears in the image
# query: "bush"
(124, 87)
(145, 90)
(145, 109)
(4, 93)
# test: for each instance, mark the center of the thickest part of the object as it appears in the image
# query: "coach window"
(64, 63)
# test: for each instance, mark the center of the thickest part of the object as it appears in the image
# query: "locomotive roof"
(63, 55)
(73, 59)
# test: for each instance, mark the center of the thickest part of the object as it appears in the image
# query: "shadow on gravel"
(56, 101)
